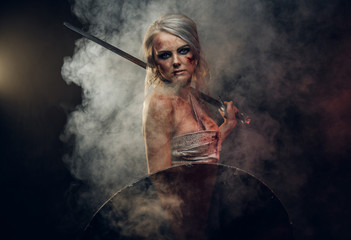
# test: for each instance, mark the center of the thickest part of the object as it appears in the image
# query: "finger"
(229, 105)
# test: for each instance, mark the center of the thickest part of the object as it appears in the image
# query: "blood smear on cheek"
(190, 59)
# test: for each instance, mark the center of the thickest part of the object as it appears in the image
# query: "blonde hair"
(183, 27)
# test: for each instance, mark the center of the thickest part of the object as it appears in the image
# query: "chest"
(189, 118)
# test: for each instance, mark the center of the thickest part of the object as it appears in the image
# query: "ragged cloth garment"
(202, 146)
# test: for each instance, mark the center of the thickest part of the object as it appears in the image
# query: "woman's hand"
(230, 120)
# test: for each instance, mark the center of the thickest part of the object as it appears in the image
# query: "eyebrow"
(183, 46)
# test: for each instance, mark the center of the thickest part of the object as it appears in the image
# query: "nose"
(176, 61)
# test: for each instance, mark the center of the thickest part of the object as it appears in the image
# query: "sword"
(217, 103)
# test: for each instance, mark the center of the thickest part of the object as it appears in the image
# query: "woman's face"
(174, 58)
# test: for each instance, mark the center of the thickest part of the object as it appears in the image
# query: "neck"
(179, 89)
(184, 92)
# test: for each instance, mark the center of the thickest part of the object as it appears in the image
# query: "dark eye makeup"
(164, 55)
(183, 50)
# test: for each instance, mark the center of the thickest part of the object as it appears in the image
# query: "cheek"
(190, 60)
(163, 66)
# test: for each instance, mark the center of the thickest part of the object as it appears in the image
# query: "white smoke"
(241, 43)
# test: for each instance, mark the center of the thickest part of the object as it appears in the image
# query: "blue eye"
(184, 50)
(164, 55)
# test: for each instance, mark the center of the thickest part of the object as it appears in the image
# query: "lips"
(178, 72)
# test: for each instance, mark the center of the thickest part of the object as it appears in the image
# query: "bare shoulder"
(157, 103)
(158, 117)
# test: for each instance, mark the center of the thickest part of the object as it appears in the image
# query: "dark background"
(34, 106)
(35, 103)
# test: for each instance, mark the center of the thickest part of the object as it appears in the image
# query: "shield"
(193, 201)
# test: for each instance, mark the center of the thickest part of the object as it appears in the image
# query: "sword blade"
(107, 45)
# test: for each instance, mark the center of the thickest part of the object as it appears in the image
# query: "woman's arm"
(157, 129)
(229, 121)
